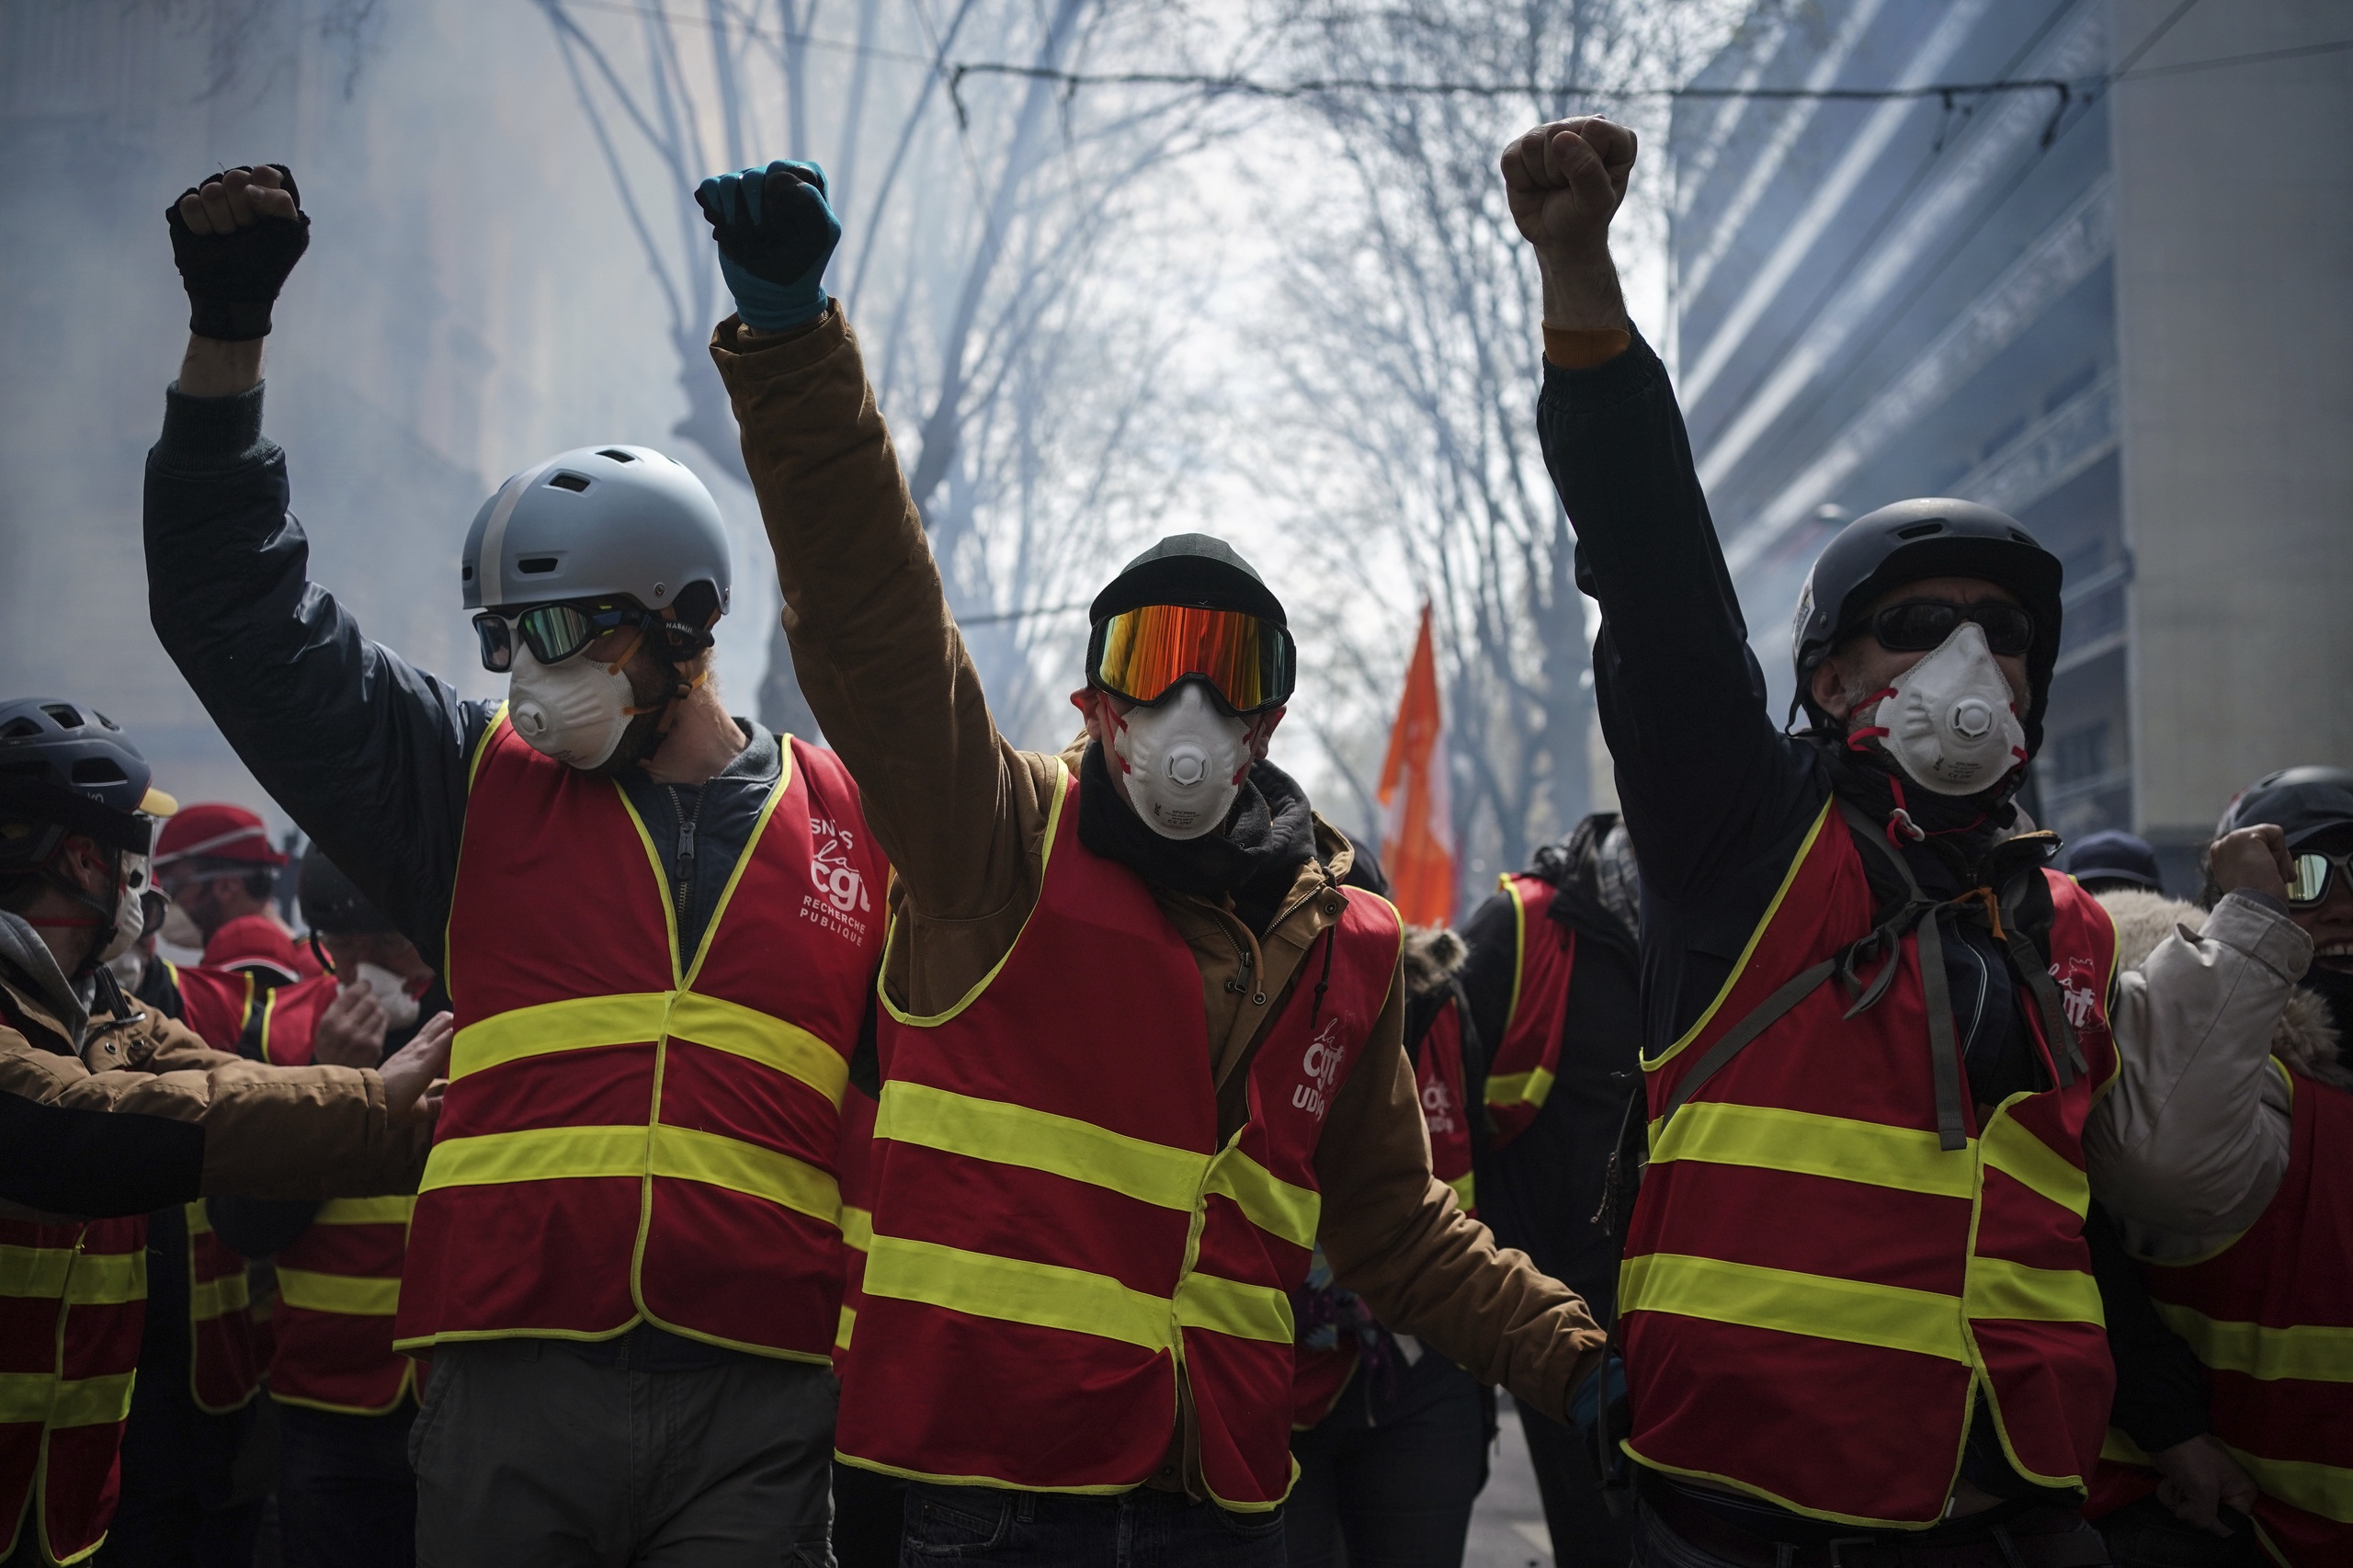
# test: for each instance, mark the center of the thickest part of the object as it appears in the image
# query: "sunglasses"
(553, 632)
(1143, 654)
(1917, 625)
(2310, 874)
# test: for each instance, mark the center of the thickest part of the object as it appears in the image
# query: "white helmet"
(595, 522)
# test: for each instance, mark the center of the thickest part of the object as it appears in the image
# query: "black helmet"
(1200, 570)
(2304, 802)
(67, 768)
(1932, 537)
(332, 902)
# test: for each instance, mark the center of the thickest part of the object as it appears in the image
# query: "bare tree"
(1409, 336)
(979, 214)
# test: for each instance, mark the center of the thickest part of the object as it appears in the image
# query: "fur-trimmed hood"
(2306, 1036)
(1433, 953)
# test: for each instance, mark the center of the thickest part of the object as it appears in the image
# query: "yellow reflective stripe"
(1059, 791)
(661, 879)
(1272, 1204)
(1011, 1290)
(1518, 956)
(1010, 1134)
(209, 1299)
(2121, 1449)
(199, 1220)
(81, 1278)
(2307, 1352)
(358, 1295)
(1922, 1322)
(28, 1398)
(857, 1227)
(1807, 1144)
(2000, 1289)
(1465, 1188)
(1219, 1305)
(1789, 879)
(2316, 1488)
(576, 1023)
(1530, 1088)
(365, 1211)
(760, 1036)
(843, 1330)
(537, 1154)
(2026, 1159)
(35, 1271)
(550, 1153)
(716, 1160)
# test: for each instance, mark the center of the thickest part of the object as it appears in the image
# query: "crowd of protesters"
(673, 1142)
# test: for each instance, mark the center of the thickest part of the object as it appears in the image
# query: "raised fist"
(776, 232)
(236, 236)
(2253, 859)
(1564, 181)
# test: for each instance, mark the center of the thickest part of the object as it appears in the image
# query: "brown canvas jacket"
(291, 1132)
(961, 814)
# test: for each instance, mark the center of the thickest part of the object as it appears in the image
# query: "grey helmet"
(595, 522)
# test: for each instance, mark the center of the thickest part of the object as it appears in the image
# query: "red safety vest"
(1437, 1074)
(225, 1354)
(216, 1003)
(339, 1281)
(632, 1133)
(2270, 1318)
(72, 1302)
(1803, 1251)
(1527, 1057)
(854, 1170)
(1058, 1235)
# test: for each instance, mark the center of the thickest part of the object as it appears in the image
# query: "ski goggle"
(1917, 625)
(1142, 653)
(553, 632)
(2310, 873)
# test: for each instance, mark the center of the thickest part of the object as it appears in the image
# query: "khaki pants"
(530, 1455)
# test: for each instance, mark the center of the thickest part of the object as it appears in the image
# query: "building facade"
(2011, 296)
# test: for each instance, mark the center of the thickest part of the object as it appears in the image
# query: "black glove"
(233, 279)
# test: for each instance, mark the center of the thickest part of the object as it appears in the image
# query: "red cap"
(215, 830)
(255, 942)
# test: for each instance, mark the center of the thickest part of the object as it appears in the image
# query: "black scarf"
(1254, 858)
(1959, 828)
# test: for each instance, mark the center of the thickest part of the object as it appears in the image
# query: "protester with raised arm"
(1887, 1063)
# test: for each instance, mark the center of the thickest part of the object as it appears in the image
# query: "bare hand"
(1564, 181)
(351, 1030)
(2200, 1474)
(2253, 859)
(238, 199)
(412, 1071)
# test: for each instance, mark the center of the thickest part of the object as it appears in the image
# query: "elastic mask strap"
(1944, 1052)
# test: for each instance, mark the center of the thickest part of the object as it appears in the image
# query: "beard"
(654, 685)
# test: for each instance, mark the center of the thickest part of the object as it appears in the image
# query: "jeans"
(1143, 1529)
(345, 1495)
(867, 1509)
(1657, 1546)
(1585, 1534)
(181, 1505)
(1395, 1475)
(532, 1455)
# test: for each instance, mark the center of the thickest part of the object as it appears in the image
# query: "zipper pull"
(686, 849)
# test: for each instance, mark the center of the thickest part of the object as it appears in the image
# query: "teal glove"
(776, 232)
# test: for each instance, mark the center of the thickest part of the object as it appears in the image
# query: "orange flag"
(1417, 830)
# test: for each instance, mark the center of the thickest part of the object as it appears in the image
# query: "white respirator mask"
(1949, 721)
(1183, 761)
(130, 918)
(576, 711)
(392, 993)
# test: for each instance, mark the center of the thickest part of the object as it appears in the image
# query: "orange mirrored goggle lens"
(1141, 653)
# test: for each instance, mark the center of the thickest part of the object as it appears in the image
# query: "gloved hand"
(776, 232)
(235, 237)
